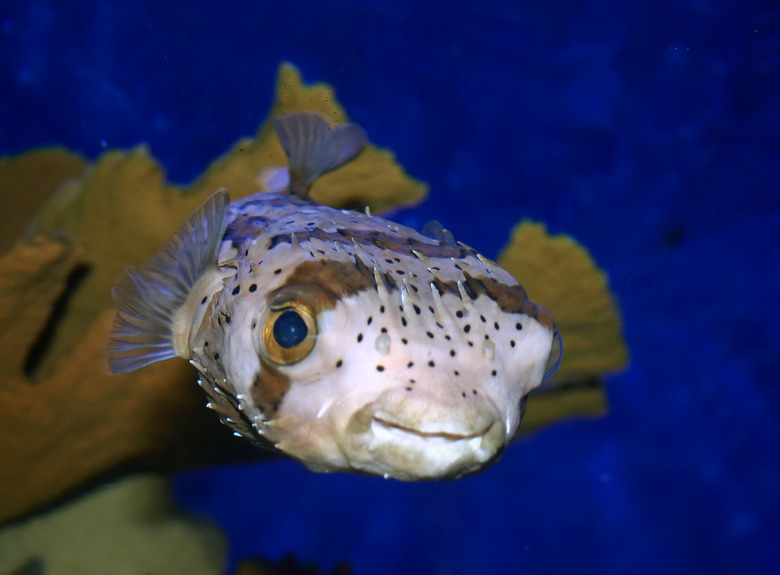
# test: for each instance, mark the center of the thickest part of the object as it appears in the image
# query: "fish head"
(354, 375)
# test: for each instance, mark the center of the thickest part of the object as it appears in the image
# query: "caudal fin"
(313, 148)
(147, 299)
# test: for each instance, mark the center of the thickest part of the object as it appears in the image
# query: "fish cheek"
(268, 388)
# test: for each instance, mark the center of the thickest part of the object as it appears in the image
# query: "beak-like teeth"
(428, 433)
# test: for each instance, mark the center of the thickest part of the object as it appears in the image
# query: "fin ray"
(147, 299)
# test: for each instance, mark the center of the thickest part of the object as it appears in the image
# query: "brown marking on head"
(398, 243)
(269, 388)
(337, 279)
(510, 298)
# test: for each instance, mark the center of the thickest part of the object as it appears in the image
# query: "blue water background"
(649, 130)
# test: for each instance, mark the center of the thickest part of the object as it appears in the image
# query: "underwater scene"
(331, 368)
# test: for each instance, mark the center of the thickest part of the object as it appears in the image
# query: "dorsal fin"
(147, 299)
(314, 148)
(434, 229)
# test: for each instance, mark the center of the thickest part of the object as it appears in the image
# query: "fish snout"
(411, 434)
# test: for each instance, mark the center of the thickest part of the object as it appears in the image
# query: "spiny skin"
(424, 353)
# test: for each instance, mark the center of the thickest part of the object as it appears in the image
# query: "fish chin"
(389, 439)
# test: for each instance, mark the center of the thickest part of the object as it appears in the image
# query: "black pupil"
(290, 329)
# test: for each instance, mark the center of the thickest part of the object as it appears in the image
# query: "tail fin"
(313, 148)
(147, 299)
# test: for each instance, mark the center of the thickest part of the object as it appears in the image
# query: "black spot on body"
(339, 363)
(204, 299)
(360, 337)
(431, 364)
(467, 328)
(253, 288)
(380, 367)
(236, 290)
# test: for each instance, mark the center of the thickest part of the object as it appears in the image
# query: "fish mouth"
(429, 434)
(423, 437)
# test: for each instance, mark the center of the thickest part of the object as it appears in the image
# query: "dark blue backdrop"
(647, 129)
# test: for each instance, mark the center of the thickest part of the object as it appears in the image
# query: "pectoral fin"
(148, 298)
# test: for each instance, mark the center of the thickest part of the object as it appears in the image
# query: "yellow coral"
(374, 179)
(27, 184)
(559, 274)
(72, 421)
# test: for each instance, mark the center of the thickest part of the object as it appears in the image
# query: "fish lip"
(447, 435)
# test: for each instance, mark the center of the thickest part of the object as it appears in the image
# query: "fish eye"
(289, 331)
(556, 353)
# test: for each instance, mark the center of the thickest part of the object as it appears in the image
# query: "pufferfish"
(341, 339)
